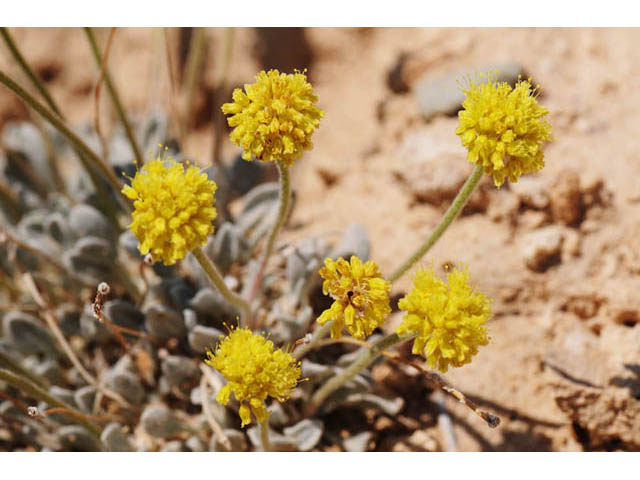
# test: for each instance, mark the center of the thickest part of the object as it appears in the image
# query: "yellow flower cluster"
(447, 319)
(503, 128)
(276, 117)
(173, 209)
(361, 297)
(255, 371)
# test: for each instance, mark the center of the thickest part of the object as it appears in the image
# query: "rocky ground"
(558, 251)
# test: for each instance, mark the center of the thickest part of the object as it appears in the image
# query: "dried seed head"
(104, 288)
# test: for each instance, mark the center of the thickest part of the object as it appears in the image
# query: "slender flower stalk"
(193, 71)
(221, 89)
(285, 196)
(115, 97)
(317, 337)
(8, 363)
(264, 435)
(216, 279)
(90, 160)
(95, 180)
(17, 55)
(454, 210)
(35, 391)
(365, 359)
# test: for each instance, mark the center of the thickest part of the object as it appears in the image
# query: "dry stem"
(53, 325)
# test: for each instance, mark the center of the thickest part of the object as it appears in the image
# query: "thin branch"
(492, 420)
(53, 325)
(432, 377)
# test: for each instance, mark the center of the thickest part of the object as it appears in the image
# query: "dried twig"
(492, 420)
(53, 325)
(102, 291)
(77, 414)
(432, 377)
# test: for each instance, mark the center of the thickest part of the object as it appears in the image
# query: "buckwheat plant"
(174, 266)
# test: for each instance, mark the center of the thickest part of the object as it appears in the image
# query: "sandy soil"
(562, 369)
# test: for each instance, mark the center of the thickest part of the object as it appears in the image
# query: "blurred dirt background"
(558, 251)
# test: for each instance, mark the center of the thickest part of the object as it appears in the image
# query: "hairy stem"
(454, 210)
(52, 323)
(193, 71)
(365, 359)
(216, 279)
(87, 156)
(115, 97)
(17, 55)
(316, 338)
(220, 90)
(8, 363)
(264, 435)
(285, 196)
(35, 391)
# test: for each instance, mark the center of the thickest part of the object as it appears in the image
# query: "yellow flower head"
(447, 319)
(275, 118)
(254, 370)
(503, 128)
(173, 209)
(360, 293)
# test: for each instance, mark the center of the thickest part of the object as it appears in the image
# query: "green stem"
(13, 48)
(87, 156)
(8, 363)
(37, 83)
(218, 282)
(454, 210)
(220, 90)
(264, 435)
(97, 54)
(193, 70)
(285, 196)
(318, 335)
(36, 392)
(100, 190)
(365, 359)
